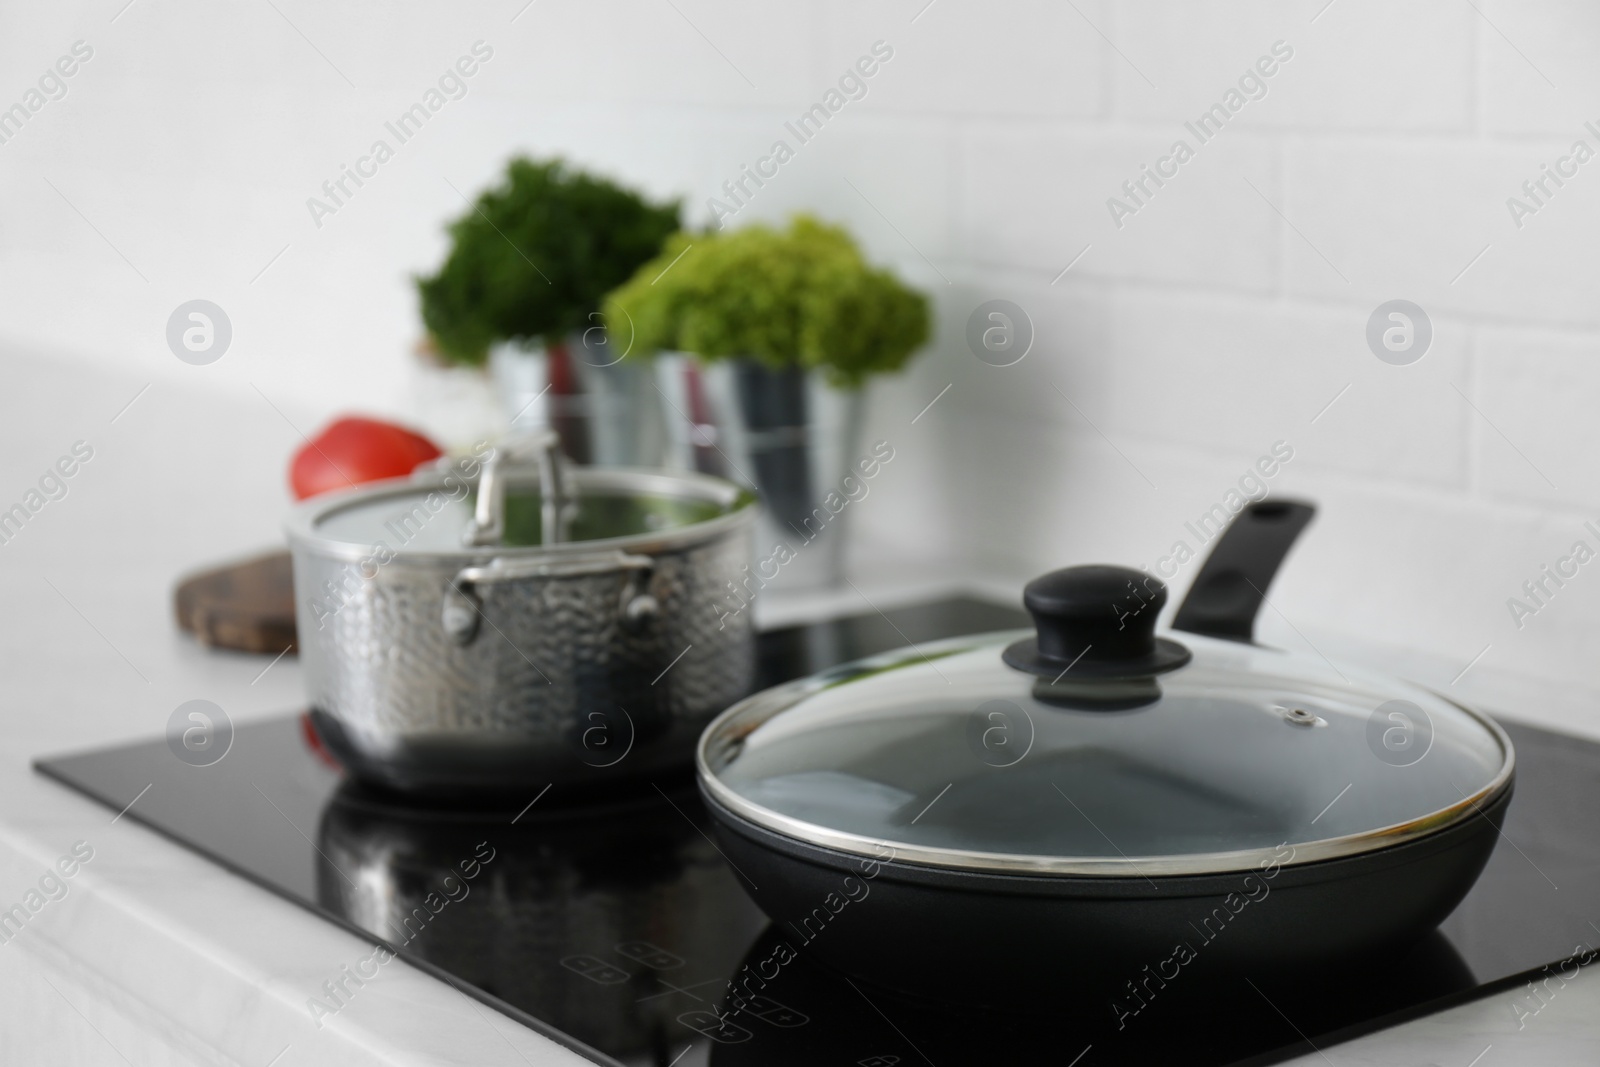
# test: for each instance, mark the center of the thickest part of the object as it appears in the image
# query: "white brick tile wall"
(1537, 72)
(890, 182)
(1405, 219)
(1036, 196)
(1356, 67)
(1539, 438)
(1225, 314)
(697, 52)
(1070, 361)
(1236, 375)
(1016, 57)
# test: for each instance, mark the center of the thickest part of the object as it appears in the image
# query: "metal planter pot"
(533, 625)
(605, 409)
(787, 434)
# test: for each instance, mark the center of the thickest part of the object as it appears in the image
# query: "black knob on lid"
(1095, 622)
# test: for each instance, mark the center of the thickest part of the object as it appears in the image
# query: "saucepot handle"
(1233, 581)
(557, 501)
(463, 607)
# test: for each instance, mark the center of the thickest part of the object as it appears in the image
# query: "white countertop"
(157, 956)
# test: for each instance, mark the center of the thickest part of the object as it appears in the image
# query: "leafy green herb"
(531, 260)
(802, 296)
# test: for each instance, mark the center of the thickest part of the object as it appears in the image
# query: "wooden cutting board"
(246, 606)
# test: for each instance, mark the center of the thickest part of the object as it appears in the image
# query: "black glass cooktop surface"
(616, 926)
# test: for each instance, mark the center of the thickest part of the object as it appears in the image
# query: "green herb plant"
(797, 297)
(532, 259)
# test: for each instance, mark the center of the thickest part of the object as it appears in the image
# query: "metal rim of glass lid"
(980, 754)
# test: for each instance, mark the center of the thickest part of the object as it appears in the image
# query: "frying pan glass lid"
(994, 753)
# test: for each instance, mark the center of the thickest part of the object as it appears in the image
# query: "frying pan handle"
(1233, 581)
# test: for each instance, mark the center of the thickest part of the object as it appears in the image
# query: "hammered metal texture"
(550, 653)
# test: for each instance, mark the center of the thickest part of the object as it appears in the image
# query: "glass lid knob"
(1095, 622)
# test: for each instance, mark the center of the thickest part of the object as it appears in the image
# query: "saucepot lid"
(1208, 756)
(436, 511)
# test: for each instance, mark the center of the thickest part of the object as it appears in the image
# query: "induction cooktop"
(618, 928)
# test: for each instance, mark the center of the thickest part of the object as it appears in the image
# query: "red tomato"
(354, 450)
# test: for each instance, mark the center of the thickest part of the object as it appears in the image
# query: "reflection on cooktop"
(569, 912)
(618, 927)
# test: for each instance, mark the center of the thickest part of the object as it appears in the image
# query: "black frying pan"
(993, 938)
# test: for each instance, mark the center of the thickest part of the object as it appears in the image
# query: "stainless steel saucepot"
(523, 625)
